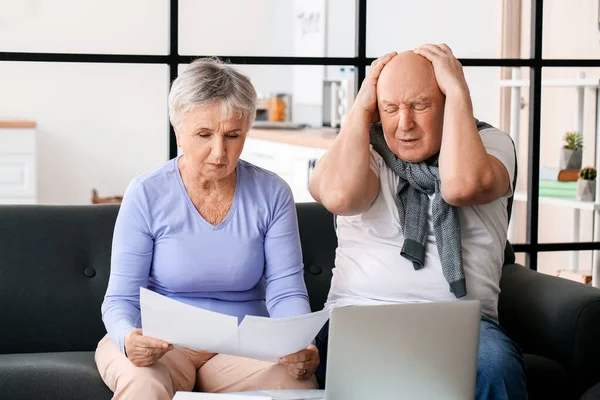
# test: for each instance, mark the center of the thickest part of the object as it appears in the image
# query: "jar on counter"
(277, 107)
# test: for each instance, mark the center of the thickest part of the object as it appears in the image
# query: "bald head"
(411, 107)
(407, 74)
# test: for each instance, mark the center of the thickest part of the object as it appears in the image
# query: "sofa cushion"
(593, 393)
(65, 376)
(546, 378)
(53, 277)
(319, 241)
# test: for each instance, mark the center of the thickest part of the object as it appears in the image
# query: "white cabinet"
(291, 162)
(18, 178)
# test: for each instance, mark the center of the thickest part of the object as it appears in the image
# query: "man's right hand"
(144, 351)
(343, 181)
(366, 99)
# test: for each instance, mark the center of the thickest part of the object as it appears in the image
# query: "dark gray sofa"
(54, 268)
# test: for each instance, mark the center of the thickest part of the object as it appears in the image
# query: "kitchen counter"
(292, 154)
(17, 123)
(321, 138)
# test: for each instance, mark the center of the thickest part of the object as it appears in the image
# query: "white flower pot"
(570, 159)
(586, 190)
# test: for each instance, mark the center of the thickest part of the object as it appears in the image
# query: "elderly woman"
(209, 230)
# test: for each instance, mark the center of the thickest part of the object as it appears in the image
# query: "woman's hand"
(144, 351)
(303, 364)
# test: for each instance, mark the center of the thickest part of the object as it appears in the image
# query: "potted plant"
(571, 153)
(586, 184)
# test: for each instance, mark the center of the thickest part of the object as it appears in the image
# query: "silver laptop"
(405, 351)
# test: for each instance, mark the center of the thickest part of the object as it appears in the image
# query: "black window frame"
(535, 63)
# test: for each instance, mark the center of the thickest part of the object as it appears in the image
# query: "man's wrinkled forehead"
(407, 75)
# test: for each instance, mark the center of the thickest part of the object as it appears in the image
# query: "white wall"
(571, 29)
(236, 27)
(78, 26)
(470, 27)
(99, 125)
(341, 28)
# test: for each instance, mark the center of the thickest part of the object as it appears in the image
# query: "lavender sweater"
(250, 264)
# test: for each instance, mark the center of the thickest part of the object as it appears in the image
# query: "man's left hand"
(303, 364)
(448, 70)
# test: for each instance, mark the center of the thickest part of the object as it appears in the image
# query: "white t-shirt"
(369, 269)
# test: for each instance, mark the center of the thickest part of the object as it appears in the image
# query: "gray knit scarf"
(416, 183)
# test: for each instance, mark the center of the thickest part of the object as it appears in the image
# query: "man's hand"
(303, 364)
(448, 70)
(144, 351)
(366, 99)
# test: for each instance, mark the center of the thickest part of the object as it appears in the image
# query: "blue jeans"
(500, 364)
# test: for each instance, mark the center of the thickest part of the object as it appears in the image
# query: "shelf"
(586, 83)
(15, 123)
(576, 204)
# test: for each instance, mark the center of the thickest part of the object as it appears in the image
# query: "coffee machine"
(338, 96)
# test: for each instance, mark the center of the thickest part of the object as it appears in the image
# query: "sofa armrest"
(554, 318)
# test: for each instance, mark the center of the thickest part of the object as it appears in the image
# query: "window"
(119, 57)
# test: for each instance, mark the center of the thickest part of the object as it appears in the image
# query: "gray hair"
(208, 81)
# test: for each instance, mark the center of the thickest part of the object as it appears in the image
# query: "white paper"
(308, 394)
(268, 339)
(217, 396)
(259, 338)
(185, 325)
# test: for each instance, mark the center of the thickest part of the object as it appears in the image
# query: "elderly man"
(420, 189)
